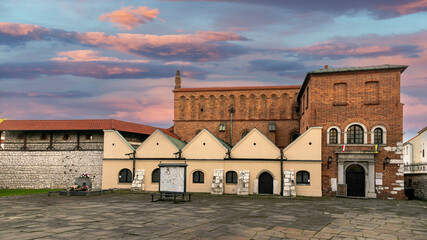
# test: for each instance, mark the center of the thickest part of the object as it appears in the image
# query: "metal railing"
(416, 168)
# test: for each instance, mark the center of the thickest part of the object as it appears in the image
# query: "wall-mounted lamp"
(329, 161)
(386, 161)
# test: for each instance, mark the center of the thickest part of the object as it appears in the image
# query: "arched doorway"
(265, 183)
(355, 179)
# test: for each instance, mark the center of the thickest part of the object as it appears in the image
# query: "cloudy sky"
(77, 59)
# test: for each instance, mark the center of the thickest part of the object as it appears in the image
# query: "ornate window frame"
(384, 134)
(338, 132)
(365, 132)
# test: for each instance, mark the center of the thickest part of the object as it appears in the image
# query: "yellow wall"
(263, 148)
(204, 146)
(314, 189)
(416, 157)
(307, 147)
(111, 170)
(115, 146)
(156, 146)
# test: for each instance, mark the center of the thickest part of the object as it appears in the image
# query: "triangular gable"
(255, 145)
(115, 145)
(159, 145)
(205, 146)
(308, 146)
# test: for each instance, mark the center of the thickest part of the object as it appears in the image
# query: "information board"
(173, 178)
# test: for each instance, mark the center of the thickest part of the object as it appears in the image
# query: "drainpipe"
(231, 125)
(133, 162)
(281, 172)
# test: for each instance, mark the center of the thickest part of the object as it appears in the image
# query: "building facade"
(53, 153)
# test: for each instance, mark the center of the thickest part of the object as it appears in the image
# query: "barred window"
(355, 135)
(333, 136)
(125, 176)
(155, 176)
(198, 177)
(378, 136)
(231, 177)
(303, 177)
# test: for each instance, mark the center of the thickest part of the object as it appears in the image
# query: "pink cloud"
(89, 56)
(129, 18)
(200, 46)
(181, 63)
(407, 8)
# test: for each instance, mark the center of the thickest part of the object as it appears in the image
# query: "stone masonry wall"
(48, 169)
(419, 183)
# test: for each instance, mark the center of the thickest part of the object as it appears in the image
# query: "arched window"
(378, 136)
(355, 134)
(125, 176)
(155, 176)
(294, 136)
(333, 136)
(198, 177)
(303, 177)
(231, 177)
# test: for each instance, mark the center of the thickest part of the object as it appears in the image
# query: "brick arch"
(202, 107)
(212, 106)
(242, 108)
(182, 107)
(284, 104)
(274, 101)
(253, 106)
(222, 107)
(263, 106)
(193, 107)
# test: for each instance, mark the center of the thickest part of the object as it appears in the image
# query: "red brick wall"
(254, 108)
(324, 111)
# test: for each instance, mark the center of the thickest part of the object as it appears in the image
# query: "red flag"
(343, 148)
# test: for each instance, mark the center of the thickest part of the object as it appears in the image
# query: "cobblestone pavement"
(133, 216)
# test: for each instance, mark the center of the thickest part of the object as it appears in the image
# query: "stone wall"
(48, 169)
(61, 140)
(419, 183)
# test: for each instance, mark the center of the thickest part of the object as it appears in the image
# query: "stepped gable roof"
(349, 69)
(211, 89)
(86, 124)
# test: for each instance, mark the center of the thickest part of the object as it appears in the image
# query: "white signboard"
(172, 179)
(378, 181)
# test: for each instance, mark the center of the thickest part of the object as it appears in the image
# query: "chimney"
(177, 80)
(326, 66)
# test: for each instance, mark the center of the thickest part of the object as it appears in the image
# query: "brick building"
(358, 107)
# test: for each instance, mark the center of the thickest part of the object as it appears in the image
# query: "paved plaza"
(129, 215)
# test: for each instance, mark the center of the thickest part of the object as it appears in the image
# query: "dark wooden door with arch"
(355, 179)
(265, 183)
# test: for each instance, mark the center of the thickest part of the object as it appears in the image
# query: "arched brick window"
(355, 134)
(231, 177)
(378, 136)
(198, 177)
(303, 177)
(333, 136)
(155, 176)
(125, 176)
(294, 136)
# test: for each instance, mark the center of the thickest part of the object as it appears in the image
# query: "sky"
(89, 59)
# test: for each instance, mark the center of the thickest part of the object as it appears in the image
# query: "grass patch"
(12, 192)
